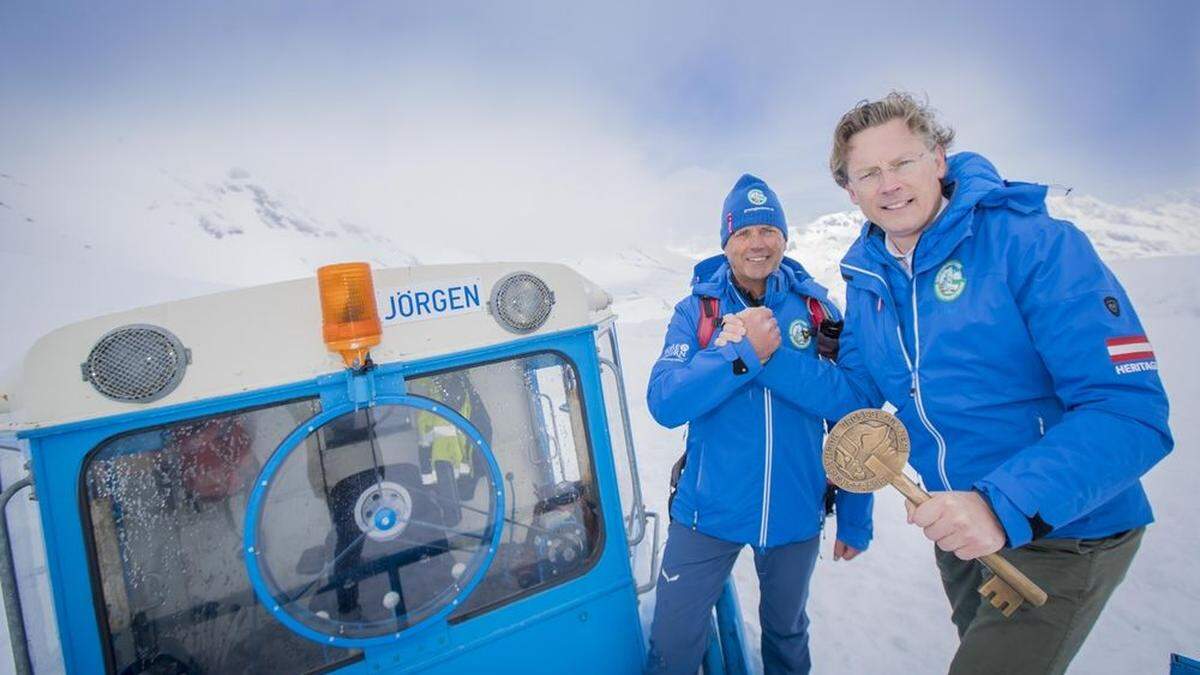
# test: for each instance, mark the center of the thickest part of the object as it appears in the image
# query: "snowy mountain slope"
(112, 247)
(1167, 228)
(228, 229)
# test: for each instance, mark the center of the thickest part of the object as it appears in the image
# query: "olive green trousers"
(1078, 576)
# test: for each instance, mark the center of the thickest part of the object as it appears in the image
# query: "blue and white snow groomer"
(219, 493)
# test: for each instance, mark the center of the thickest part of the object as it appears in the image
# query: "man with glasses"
(1016, 361)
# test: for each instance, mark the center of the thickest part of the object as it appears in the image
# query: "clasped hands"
(756, 324)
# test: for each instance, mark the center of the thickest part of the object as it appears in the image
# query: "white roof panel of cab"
(253, 338)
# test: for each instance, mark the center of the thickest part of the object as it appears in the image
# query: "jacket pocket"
(695, 474)
(698, 487)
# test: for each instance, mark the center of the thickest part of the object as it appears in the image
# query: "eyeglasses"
(872, 177)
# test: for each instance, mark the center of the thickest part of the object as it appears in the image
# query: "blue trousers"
(694, 569)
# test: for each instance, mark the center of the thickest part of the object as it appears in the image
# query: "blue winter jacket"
(1013, 357)
(753, 473)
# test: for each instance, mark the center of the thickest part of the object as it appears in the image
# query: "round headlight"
(521, 302)
(138, 363)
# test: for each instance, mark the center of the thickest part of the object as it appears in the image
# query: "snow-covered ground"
(883, 612)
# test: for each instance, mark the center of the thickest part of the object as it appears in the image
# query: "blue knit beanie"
(751, 202)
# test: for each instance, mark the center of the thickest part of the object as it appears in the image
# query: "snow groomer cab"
(417, 469)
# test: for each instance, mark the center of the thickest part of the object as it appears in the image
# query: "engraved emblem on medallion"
(858, 436)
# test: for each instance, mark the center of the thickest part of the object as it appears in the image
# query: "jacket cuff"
(1017, 530)
(858, 537)
(732, 351)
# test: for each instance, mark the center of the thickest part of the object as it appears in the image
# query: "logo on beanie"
(756, 197)
(729, 222)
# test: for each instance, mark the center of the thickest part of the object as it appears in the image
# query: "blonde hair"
(897, 105)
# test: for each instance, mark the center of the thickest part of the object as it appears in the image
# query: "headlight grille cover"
(521, 302)
(138, 363)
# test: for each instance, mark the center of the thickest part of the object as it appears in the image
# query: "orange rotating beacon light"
(349, 317)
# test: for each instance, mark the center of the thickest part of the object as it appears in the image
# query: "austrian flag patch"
(1131, 354)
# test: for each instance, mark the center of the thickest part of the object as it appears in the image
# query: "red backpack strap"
(710, 318)
(816, 312)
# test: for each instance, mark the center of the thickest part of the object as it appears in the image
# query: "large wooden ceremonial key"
(868, 449)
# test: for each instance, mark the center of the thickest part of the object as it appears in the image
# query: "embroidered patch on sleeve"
(675, 352)
(1131, 354)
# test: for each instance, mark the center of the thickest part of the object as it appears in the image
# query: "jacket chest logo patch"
(950, 281)
(800, 333)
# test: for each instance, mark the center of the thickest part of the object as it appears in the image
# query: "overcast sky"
(562, 116)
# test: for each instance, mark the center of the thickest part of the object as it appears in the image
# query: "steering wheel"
(395, 554)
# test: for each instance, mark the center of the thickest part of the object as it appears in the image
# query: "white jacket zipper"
(913, 370)
(916, 381)
(770, 450)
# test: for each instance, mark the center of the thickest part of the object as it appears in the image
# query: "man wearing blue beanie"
(751, 473)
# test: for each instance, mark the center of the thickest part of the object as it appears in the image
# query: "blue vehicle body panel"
(589, 623)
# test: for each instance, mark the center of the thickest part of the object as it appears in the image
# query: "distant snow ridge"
(222, 208)
(232, 227)
(1118, 233)
(821, 244)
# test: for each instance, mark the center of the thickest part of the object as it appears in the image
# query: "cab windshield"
(166, 509)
